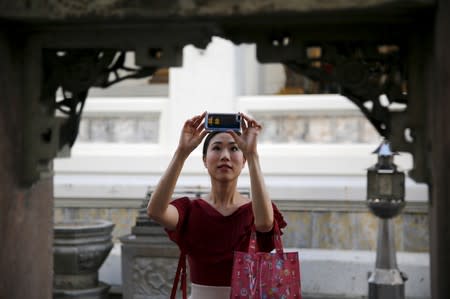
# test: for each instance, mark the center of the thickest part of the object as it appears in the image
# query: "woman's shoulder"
(187, 201)
(181, 202)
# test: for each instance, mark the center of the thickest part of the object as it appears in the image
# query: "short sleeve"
(265, 240)
(183, 206)
(278, 218)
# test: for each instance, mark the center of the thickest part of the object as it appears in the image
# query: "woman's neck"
(223, 194)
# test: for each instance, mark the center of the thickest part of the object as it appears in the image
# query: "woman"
(209, 230)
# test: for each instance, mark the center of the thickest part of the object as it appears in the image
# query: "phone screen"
(223, 122)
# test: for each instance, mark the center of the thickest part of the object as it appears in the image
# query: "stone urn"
(79, 249)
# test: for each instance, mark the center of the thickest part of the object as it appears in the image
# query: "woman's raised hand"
(247, 141)
(192, 133)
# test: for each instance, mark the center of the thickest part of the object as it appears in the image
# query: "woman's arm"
(158, 207)
(261, 203)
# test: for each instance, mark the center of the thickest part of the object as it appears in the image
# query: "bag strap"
(277, 238)
(253, 245)
(181, 271)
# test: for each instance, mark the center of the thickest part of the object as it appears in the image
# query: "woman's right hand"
(192, 133)
(158, 207)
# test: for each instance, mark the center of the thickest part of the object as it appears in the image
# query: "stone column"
(438, 103)
(26, 221)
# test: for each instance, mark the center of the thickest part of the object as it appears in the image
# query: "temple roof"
(147, 10)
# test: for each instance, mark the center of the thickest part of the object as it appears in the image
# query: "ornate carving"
(364, 72)
(92, 259)
(153, 276)
(373, 76)
(75, 71)
(71, 72)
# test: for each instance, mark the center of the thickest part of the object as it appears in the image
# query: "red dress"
(209, 238)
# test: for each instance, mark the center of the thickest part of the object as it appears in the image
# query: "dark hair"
(208, 140)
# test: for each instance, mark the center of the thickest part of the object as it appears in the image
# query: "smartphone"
(223, 122)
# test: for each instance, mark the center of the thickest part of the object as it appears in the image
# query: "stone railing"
(322, 212)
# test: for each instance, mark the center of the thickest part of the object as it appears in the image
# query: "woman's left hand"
(247, 141)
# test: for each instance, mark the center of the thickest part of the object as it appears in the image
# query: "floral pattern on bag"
(262, 275)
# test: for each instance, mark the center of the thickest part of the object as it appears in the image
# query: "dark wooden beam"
(306, 11)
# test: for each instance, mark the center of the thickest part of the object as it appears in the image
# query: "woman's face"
(223, 159)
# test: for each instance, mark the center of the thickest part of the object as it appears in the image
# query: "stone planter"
(79, 249)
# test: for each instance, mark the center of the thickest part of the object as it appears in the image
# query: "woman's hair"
(208, 140)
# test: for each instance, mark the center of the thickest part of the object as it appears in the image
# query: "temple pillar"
(26, 219)
(438, 98)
